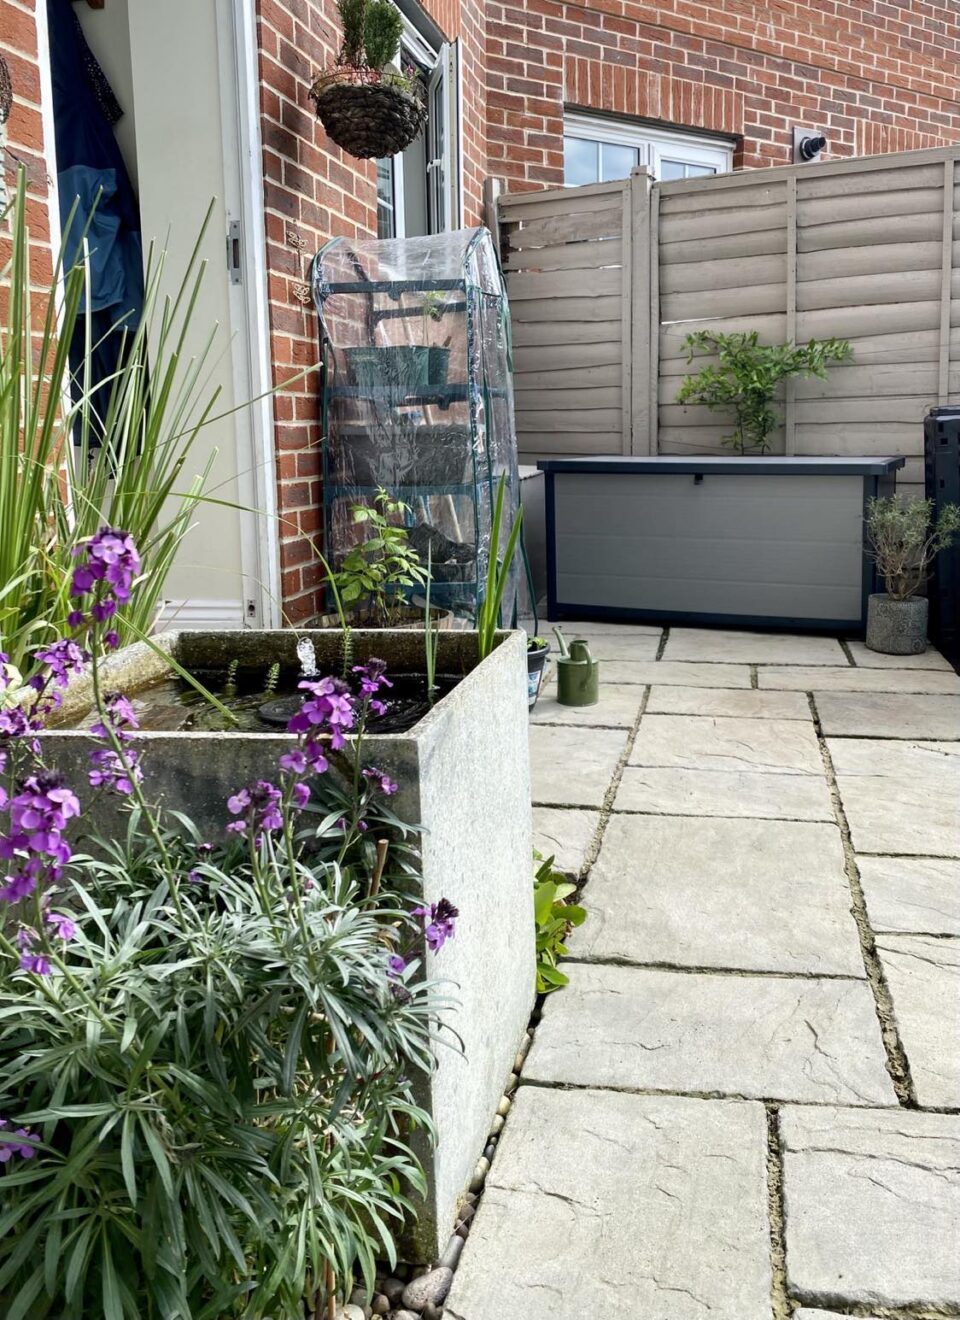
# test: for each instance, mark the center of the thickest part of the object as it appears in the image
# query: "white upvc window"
(419, 190)
(597, 150)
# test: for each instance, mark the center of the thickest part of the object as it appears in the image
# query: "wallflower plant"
(207, 1045)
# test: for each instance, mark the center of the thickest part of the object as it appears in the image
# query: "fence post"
(946, 274)
(492, 188)
(642, 301)
(790, 402)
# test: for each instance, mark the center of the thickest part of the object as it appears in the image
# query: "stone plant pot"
(897, 627)
(464, 775)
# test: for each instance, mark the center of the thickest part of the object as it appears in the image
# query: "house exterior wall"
(25, 128)
(312, 192)
(877, 75)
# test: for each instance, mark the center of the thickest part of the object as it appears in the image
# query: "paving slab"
(572, 766)
(689, 675)
(756, 794)
(582, 627)
(751, 704)
(900, 797)
(806, 1314)
(621, 1206)
(911, 895)
(760, 895)
(923, 974)
(872, 1207)
(617, 707)
(564, 834)
(779, 1038)
(752, 648)
(888, 714)
(809, 678)
(698, 742)
(931, 659)
(612, 645)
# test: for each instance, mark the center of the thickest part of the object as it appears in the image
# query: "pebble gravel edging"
(419, 1292)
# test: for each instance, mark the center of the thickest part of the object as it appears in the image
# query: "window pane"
(581, 161)
(697, 171)
(386, 217)
(672, 169)
(616, 161)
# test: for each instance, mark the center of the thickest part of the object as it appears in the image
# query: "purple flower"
(372, 676)
(62, 658)
(259, 803)
(39, 812)
(295, 762)
(396, 966)
(439, 923)
(103, 610)
(108, 768)
(329, 708)
(110, 557)
(9, 1146)
(300, 796)
(76, 619)
(18, 887)
(379, 781)
(111, 640)
(38, 963)
(65, 927)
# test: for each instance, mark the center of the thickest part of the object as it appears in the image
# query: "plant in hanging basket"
(368, 108)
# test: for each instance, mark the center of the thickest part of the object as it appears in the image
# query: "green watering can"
(578, 674)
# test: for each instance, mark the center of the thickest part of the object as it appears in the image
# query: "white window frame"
(651, 143)
(444, 169)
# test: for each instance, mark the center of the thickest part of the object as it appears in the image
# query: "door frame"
(249, 308)
(249, 316)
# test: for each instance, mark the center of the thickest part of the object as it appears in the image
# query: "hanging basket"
(368, 119)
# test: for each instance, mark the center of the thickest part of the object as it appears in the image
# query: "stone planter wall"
(463, 773)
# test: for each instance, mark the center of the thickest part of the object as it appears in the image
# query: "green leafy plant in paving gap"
(555, 915)
(746, 376)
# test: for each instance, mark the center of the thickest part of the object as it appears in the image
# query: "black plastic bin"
(941, 435)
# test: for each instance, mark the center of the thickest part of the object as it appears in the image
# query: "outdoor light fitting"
(808, 143)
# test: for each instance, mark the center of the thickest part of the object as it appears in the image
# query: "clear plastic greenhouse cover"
(418, 400)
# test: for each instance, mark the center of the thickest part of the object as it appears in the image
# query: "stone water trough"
(463, 775)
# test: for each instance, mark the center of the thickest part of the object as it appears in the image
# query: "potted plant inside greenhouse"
(905, 537)
(366, 104)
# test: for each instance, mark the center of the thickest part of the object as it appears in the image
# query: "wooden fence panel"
(567, 258)
(607, 281)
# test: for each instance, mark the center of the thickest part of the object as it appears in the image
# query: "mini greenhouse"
(418, 399)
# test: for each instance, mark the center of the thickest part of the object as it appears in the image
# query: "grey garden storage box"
(764, 541)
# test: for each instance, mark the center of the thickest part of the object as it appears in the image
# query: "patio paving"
(757, 1059)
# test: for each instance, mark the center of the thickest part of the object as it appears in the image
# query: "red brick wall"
(313, 192)
(25, 144)
(877, 76)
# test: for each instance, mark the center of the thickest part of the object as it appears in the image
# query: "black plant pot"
(536, 661)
